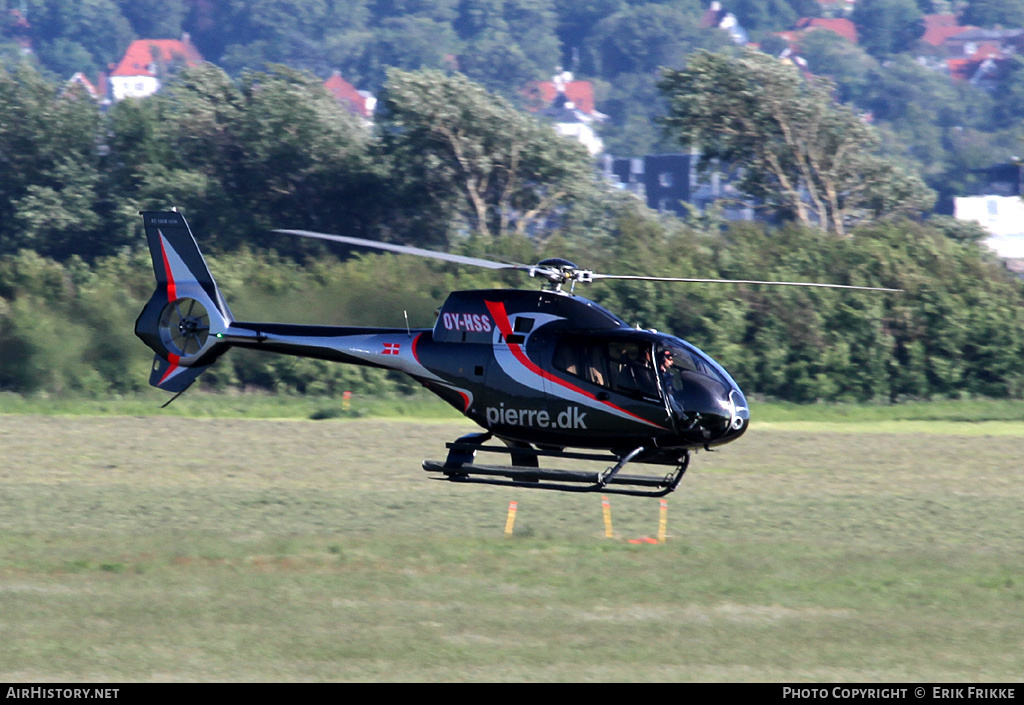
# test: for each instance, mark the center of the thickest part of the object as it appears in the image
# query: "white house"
(146, 61)
(1001, 216)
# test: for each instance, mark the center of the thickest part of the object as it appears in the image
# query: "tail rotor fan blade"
(184, 327)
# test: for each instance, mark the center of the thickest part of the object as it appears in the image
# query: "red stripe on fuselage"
(500, 317)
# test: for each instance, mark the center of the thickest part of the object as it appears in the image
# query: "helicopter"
(547, 373)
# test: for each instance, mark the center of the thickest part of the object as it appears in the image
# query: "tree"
(798, 150)
(989, 13)
(765, 14)
(576, 20)
(499, 171)
(64, 29)
(499, 64)
(49, 166)
(154, 19)
(887, 27)
(643, 38)
(507, 42)
(253, 34)
(273, 150)
(828, 54)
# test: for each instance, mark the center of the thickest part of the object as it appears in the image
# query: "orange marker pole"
(510, 522)
(663, 521)
(607, 509)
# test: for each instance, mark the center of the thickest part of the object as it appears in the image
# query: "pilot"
(665, 360)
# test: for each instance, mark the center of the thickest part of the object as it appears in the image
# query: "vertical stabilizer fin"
(186, 318)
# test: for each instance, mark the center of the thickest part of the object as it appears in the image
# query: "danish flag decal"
(392, 348)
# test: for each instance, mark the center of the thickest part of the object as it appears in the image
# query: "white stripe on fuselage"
(514, 368)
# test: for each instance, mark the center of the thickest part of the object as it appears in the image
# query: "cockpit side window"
(623, 366)
(567, 357)
(632, 369)
(587, 360)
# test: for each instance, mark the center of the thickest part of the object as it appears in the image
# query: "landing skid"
(525, 470)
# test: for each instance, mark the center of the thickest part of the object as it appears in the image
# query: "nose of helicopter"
(709, 411)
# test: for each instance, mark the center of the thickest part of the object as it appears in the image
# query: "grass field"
(180, 548)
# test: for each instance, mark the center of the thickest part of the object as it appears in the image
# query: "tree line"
(948, 131)
(453, 166)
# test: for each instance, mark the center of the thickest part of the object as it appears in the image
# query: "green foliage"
(155, 19)
(452, 162)
(847, 64)
(993, 13)
(500, 170)
(643, 38)
(618, 45)
(74, 30)
(49, 167)
(885, 27)
(766, 14)
(798, 151)
(271, 150)
(956, 330)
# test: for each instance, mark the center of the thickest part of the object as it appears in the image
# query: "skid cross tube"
(460, 468)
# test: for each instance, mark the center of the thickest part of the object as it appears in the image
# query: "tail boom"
(187, 323)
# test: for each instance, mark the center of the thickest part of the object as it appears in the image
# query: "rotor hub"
(560, 272)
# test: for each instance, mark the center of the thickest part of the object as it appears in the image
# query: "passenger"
(642, 372)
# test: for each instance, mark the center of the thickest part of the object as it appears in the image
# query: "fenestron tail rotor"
(559, 272)
(184, 327)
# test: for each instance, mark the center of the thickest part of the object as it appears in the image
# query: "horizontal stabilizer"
(170, 376)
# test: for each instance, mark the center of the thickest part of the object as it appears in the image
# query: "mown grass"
(253, 405)
(172, 548)
(422, 405)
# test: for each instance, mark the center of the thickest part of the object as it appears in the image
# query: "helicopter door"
(613, 371)
(513, 383)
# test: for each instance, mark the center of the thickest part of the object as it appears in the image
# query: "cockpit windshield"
(676, 362)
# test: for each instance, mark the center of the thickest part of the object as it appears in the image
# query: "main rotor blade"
(741, 281)
(406, 249)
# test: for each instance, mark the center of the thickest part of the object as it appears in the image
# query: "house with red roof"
(569, 105)
(981, 56)
(359, 103)
(19, 29)
(840, 25)
(940, 27)
(146, 62)
(540, 94)
(95, 90)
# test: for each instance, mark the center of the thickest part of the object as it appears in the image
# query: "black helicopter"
(542, 371)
